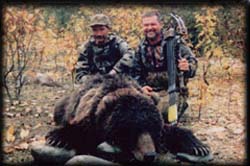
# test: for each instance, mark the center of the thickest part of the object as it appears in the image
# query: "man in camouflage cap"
(103, 53)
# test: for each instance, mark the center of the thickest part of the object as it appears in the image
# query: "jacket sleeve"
(193, 63)
(138, 70)
(82, 66)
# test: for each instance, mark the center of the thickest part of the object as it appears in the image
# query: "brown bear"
(110, 117)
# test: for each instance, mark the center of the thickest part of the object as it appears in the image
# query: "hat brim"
(98, 24)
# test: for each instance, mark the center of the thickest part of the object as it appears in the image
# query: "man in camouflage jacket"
(103, 53)
(150, 62)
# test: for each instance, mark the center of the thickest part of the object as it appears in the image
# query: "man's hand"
(112, 72)
(183, 64)
(147, 90)
(83, 79)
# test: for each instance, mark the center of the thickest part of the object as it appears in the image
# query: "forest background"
(40, 49)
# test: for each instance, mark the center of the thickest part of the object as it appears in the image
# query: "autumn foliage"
(46, 39)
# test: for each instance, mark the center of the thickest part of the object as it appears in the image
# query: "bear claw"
(194, 158)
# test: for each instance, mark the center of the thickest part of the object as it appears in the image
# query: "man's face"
(151, 27)
(100, 33)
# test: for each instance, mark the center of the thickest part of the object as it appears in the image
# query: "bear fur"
(113, 109)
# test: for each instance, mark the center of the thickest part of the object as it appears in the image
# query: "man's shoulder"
(142, 43)
(84, 45)
(168, 33)
(116, 38)
(171, 33)
(119, 42)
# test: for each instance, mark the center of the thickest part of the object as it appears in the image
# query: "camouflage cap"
(100, 19)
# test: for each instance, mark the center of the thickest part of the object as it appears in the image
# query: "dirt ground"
(219, 121)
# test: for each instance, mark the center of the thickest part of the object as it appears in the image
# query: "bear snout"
(145, 149)
(149, 157)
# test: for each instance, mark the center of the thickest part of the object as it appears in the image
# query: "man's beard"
(99, 40)
(154, 37)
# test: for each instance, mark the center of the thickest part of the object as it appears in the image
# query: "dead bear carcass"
(111, 110)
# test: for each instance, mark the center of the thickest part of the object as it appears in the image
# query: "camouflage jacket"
(150, 64)
(102, 59)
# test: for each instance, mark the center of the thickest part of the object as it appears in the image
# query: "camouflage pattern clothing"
(150, 64)
(102, 59)
(150, 68)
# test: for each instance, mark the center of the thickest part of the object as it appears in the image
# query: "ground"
(218, 118)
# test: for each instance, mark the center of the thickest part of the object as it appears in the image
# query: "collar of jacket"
(146, 43)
